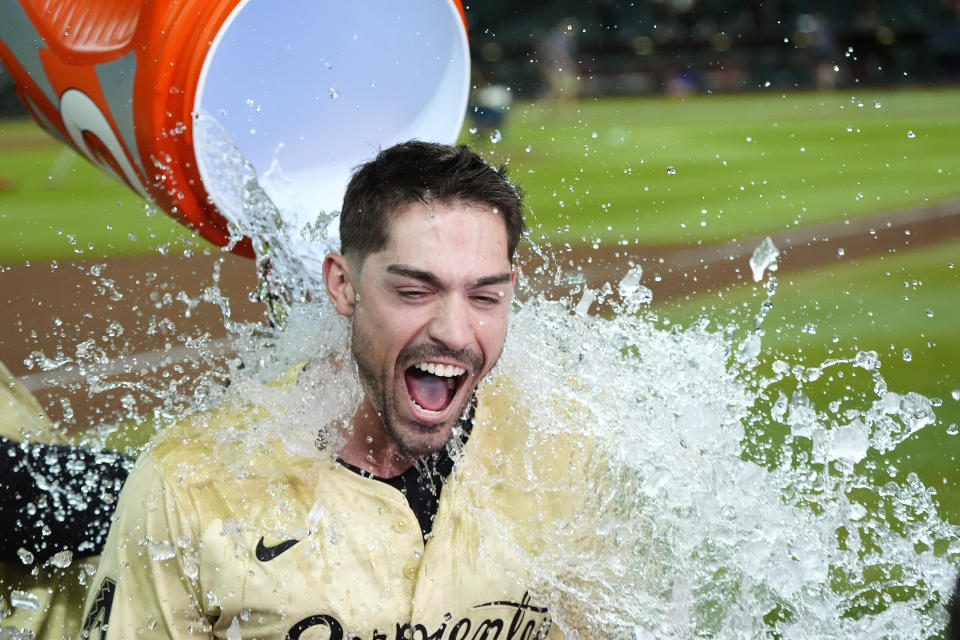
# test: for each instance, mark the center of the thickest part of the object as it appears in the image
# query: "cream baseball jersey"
(276, 544)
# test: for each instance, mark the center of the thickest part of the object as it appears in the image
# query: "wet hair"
(428, 173)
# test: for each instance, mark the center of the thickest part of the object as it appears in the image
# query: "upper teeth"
(442, 370)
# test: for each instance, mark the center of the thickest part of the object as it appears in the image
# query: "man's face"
(431, 318)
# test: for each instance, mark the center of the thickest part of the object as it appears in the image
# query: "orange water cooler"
(305, 89)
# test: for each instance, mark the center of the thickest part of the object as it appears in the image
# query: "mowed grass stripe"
(741, 165)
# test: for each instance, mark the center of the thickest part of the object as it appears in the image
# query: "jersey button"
(400, 525)
(410, 573)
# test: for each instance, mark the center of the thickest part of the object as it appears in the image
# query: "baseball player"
(418, 516)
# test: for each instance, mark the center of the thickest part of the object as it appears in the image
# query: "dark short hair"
(422, 172)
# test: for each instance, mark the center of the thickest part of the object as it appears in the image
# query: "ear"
(337, 277)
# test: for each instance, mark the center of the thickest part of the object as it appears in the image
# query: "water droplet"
(955, 394)
(334, 94)
(671, 171)
(62, 559)
(27, 558)
(840, 252)
(876, 105)
(850, 442)
(583, 307)
(764, 257)
(24, 600)
(952, 430)
(867, 360)
(162, 550)
(527, 148)
(630, 289)
(929, 313)
(907, 355)
(911, 134)
(750, 348)
(233, 632)
(495, 136)
(594, 135)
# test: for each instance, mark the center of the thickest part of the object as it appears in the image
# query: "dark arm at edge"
(56, 498)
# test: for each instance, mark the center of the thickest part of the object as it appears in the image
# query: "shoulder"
(534, 426)
(231, 461)
(250, 433)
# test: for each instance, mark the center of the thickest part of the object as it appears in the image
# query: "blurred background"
(711, 46)
(669, 135)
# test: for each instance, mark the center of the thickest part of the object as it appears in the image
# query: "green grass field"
(662, 171)
(742, 165)
(55, 204)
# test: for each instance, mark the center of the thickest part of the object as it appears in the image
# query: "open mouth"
(432, 385)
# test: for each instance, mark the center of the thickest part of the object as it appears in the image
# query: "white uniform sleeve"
(146, 585)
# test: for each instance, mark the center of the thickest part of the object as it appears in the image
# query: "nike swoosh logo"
(265, 553)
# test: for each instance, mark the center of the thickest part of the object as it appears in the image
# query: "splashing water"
(764, 257)
(728, 501)
(708, 524)
(290, 246)
(701, 535)
(233, 632)
(735, 504)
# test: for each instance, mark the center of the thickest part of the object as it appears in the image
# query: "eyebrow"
(428, 278)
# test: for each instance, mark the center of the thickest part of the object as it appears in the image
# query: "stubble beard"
(384, 403)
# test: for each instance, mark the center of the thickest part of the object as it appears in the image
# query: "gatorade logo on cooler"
(314, 87)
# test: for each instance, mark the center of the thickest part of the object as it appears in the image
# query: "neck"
(368, 446)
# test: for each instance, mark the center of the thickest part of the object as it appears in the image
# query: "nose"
(452, 324)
